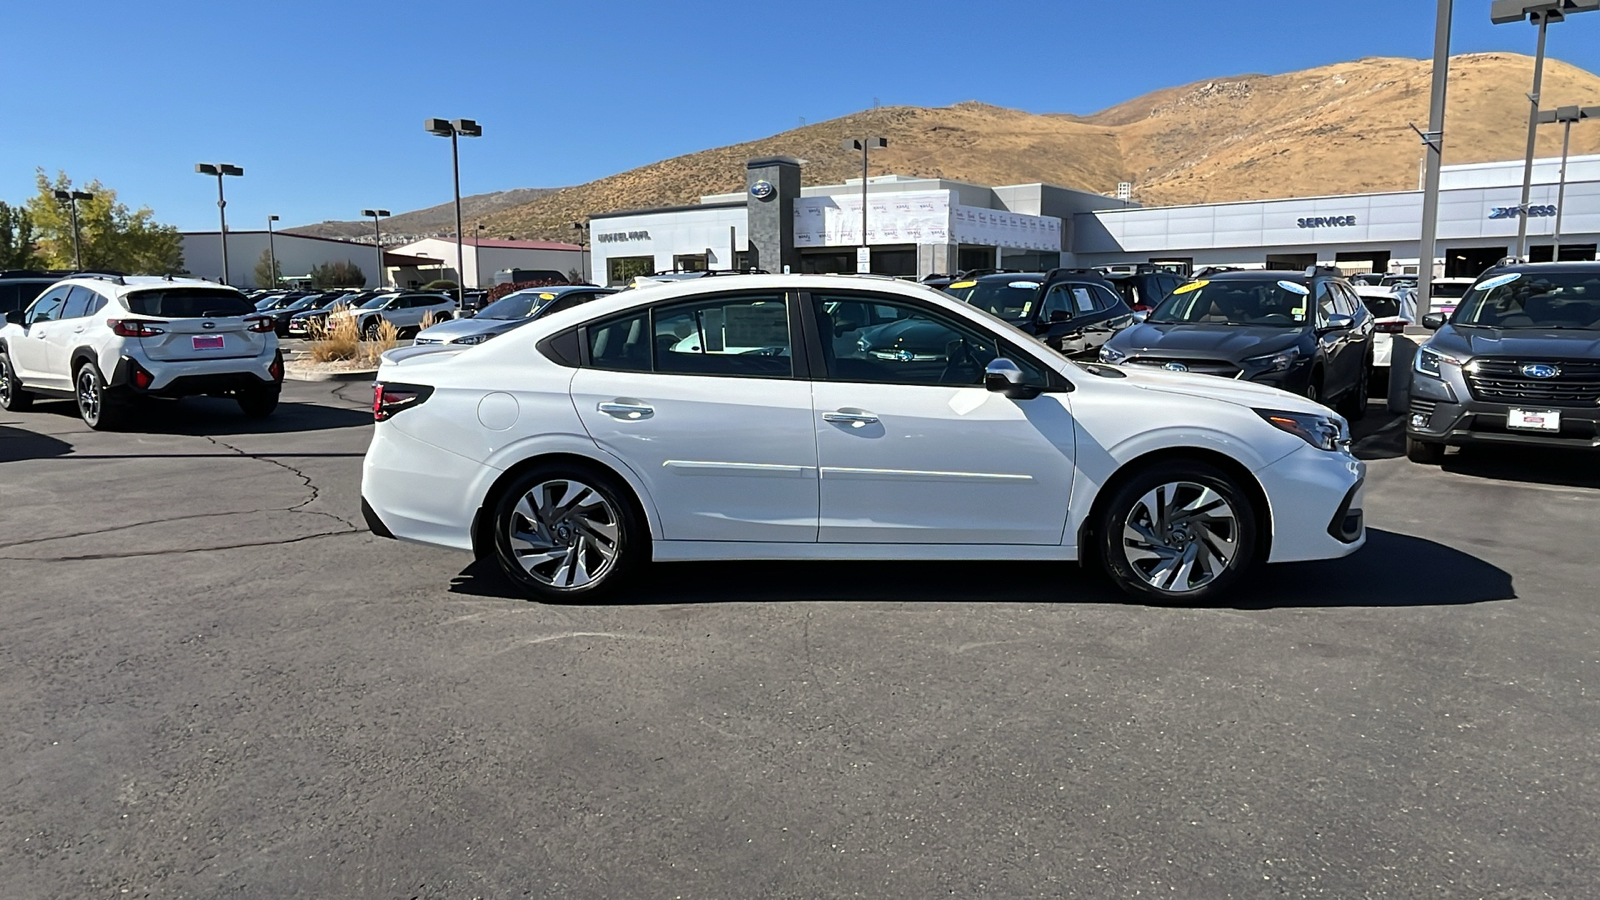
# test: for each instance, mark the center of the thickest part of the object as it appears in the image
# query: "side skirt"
(683, 551)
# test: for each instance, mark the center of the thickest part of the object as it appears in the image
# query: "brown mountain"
(1335, 129)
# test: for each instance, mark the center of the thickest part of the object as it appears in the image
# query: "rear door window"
(189, 303)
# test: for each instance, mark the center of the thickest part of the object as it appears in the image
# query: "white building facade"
(485, 258)
(297, 255)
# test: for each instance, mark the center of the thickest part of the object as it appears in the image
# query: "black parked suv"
(1144, 288)
(1074, 311)
(20, 287)
(1517, 363)
(1305, 332)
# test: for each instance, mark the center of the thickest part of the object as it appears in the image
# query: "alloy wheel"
(5, 382)
(564, 534)
(88, 395)
(1180, 536)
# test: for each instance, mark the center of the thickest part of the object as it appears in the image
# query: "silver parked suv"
(105, 340)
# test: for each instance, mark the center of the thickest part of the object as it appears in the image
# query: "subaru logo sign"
(762, 190)
(1175, 367)
(1540, 370)
(208, 324)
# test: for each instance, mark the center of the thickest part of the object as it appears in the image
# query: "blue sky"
(322, 101)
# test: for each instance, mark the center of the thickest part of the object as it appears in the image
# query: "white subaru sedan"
(838, 417)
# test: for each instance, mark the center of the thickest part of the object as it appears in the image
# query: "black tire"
(1354, 404)
(1228, 536)
(1427, 453)
(258, 403)
(12, 397)
(1313, 390)
(370, 330)
(572, 538)
(98, 406)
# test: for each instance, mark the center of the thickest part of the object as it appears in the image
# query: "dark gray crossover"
(512, 310)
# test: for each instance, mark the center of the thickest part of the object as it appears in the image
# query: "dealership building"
(920, 226)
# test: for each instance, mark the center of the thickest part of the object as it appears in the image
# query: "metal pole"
(461, 253)
(272, 255)
(222, 213)
(77, 251)
(1561, 191)
(377, 242)
(864, 142)
(477, 256)
(1533, 133)
(1435, 153)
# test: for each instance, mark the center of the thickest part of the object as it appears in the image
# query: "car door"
(67, 334)
(705, 402)
(913, 449)
(1069, 318)
(30, 354)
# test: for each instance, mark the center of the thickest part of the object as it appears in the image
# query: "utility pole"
(377, 239)
(1434, 139)
(864, 256)
(219, 170)
(272, 253)
(72, 198)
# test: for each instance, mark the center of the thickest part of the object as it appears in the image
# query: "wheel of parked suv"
(99, 409)
(371, 331)
(1179, 532)
(1314, 387)
(259, 402)
(12, 396)
(565, 532)
(1428, 453)
(1354, 404)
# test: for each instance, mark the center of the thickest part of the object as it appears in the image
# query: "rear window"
(189, 303)
(1381, 306)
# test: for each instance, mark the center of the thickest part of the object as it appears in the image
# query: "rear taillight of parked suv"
(260, 324)
(139, 328)
(392, 398)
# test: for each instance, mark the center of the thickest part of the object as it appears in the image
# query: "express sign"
(1326, 222)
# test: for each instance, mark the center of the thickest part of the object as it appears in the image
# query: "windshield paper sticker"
(1191, 286)
(1498, 281)
(1293, 288)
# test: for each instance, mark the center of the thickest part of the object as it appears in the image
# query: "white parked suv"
(769, 417)
(405, 310)
(106, 340)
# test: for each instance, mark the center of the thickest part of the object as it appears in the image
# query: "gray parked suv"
(511, 311)
(1518, 362)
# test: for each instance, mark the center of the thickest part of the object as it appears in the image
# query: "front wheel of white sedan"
(566, 533)
(1179, 532)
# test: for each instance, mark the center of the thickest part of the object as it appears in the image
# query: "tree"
(17, 250)
(337, 274)
(113, 236)
(268, 270)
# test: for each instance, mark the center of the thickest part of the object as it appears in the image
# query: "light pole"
(1540, 13)
(1566, 115)
(582, 228)
(477, 257)
(219, 170)
(72, 198)
(272, 253)
(455, 129)
(377, 238)
(864, 258)
(1434, 139)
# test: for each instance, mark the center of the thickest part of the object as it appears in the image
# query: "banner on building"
(912, 217)
(998, 228)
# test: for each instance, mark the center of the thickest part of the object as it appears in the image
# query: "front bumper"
(1316, 505)
(1443, 417)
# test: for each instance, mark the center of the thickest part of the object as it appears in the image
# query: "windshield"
(377, 301)
(1533, 300)
(305, 303)
(189, 303)
(1006, 299)
(1280, 304)
(515, 306)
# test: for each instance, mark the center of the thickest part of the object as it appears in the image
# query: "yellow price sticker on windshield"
(964, 284)
(1191, 286)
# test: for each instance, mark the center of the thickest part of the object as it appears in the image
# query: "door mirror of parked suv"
(14, 316)
(1002, 376)
(1059, 315)
(1433, 321)
(1338, 322)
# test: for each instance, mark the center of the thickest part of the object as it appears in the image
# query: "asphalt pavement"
(217, 683)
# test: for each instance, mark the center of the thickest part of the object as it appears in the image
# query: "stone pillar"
(774, 183)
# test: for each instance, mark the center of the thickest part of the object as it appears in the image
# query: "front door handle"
(855, 418)
(621, 409)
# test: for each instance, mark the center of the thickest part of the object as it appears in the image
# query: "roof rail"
(113, 277)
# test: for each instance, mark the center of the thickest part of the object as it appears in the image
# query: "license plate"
(208, 342)
(1534, 419)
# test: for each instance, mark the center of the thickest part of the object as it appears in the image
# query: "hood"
(455, 328)
(1465, 341)
(1210, 387)
(1230, 342)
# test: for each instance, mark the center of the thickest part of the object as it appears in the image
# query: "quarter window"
(883, 341)
(621, 344)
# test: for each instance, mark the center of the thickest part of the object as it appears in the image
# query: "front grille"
(1502, 381)
(1219, 367)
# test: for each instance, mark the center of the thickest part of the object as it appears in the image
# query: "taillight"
(276, 369)
(1395, 327)
(389, 399)
(139, 328)
(259, 325)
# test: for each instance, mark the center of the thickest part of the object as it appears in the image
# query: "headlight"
(1323, 432)
(472, 338)
(1110, 356)
(1430, 362)
(1275, 362)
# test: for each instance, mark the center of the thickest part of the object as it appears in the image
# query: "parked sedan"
(511, 311)
(1304, 332)
(574, 450)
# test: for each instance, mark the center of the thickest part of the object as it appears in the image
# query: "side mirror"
(1058, 316)
(1433, 321)
(14, 316)
(1338, 322)
(1002, 376)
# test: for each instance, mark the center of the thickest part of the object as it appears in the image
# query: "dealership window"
(744, 261)
(970, 257)
(623, 269)
(689, 262)
(1569, 253)
(1030, 260)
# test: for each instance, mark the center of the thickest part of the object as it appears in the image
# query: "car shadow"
(1392, 570)
(1527, 465)
(17, 444)
(1379, 434)
(219, 417)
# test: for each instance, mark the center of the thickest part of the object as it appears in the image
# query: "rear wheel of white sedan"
(565, 533)
(1179, 532)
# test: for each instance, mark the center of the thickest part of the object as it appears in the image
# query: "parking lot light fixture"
(377, 237)
(71, 198)
(864, 145)
(1540, 13)
(1566, 115)
(220, 170)
(454, 129)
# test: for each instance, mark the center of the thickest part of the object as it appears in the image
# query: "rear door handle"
(623, 410)
(855, 418)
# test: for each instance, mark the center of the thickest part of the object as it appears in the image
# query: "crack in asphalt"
(316, 492)
(177, 550)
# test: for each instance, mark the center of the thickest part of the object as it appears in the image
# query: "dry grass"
(341, 342)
